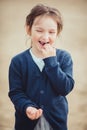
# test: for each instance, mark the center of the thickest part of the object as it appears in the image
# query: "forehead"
(45, 20)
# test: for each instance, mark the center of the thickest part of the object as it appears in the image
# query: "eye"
(39, 30)
(52, 32)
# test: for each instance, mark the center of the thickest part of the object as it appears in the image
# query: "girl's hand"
(33, 113)
(48, 51)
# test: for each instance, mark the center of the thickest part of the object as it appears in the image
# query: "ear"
(28, 30)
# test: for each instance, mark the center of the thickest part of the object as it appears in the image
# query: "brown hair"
(41, 9)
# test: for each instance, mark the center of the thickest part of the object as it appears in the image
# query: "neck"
(36, 53)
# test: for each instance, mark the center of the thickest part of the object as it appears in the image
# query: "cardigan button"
(41, 91)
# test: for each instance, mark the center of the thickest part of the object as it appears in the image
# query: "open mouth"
(43, 43)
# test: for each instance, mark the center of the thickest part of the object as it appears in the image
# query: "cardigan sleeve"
(60, 77)
(16, 90)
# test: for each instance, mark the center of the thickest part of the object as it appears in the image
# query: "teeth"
(42, 43)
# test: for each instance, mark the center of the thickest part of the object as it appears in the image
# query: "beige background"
(73, 38)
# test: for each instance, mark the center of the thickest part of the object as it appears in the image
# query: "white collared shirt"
(39, 61)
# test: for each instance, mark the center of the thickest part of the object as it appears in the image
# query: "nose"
(45, 37)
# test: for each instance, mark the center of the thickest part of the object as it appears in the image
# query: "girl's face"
(43, 31)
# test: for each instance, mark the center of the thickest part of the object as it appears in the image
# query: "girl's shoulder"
(21, 56)
(62, 53)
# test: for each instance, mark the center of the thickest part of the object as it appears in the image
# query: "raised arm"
(60, 74)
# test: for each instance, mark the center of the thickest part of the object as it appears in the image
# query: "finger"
(38, 113)
(33, 116)
(31, 112)
(46, 46)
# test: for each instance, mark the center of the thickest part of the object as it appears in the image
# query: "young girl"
(41, 77)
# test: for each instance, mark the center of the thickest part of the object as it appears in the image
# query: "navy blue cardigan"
(47, 89)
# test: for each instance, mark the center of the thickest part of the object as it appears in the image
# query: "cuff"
(50, 61)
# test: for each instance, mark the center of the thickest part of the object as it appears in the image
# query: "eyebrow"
(38, 27)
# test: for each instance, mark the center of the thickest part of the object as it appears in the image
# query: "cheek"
(53, 39)
(34, 37)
